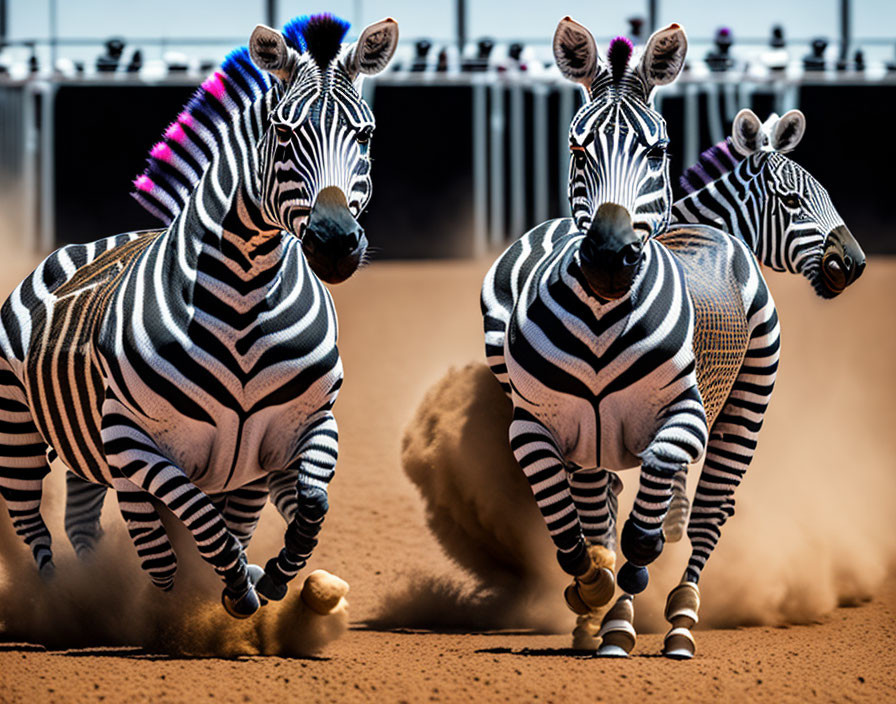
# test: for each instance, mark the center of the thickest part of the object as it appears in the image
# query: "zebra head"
(800, 229)
(313, 158)
(619, 190)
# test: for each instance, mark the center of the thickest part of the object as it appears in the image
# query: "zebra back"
(720, 323)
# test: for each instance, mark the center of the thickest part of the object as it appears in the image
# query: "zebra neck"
(222, 220)
(733, 203)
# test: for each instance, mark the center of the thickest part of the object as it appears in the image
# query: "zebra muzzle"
(333, 241)
(610, 254)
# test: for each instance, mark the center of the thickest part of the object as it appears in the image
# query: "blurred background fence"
(471, 147)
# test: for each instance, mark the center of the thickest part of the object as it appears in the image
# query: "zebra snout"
(610, 253)
(333, 241)
(843, 261)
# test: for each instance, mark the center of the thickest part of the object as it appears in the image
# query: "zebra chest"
(577, 386)
(226, 402)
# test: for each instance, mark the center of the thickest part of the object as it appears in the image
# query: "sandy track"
(848, 656)
(791, 554)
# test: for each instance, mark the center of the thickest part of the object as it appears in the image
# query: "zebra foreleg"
(148, 534)
(594, 495)
(314, 467)
(680, 441)
(23, 466)
(241, 508)
(83, 506)
(729, 453)
(133, 453)
(540, 459)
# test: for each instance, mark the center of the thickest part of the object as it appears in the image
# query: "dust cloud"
(108, 601)
(810, 532)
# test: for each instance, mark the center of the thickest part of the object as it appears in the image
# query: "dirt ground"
(813, 533)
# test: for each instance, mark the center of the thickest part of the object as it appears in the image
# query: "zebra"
(747, 187)
(621, 342)
(197, 359)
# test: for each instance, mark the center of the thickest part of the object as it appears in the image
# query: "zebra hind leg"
(83, 506)
(729, 453)
(23, 466)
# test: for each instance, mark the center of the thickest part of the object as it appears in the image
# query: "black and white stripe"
(194, 362)
(754, 192)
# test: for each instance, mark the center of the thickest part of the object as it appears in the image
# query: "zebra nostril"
(630, 255)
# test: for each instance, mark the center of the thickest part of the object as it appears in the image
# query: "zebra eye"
(657, 151)
(283, 133)
(578, 153)
(364, 135)
(792, 201)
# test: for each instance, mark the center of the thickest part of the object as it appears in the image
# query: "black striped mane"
(319, 35)
(714, 163)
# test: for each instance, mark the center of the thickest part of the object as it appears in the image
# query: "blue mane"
(319, 35)
(177, 162)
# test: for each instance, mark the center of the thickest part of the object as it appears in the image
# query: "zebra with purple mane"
(196, 361)
(748, 188)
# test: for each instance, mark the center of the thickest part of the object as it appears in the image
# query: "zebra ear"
(374, 49)
(788, 131)
(269, 52)
(663, 57)
(575, 52)
(746, 132)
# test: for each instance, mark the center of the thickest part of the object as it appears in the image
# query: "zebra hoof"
(47, 570)
(591, 591)
(243, 607)
(632, 579)
(618, 639)
(270, 590)
(612, 651)
(679, 644)
(574, 600)
(256, 572)
(617, 633)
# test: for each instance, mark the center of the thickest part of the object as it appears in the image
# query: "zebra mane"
(177, 162)
(319, 35)
(618, 55)
(714, 163)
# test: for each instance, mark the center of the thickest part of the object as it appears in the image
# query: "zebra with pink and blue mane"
(194, 362)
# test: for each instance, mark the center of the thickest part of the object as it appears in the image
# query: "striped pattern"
(618, 144)
(191, 363)
(767, 200)
(713, 261)
(593, 384)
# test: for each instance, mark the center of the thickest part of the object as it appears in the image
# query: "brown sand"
(811, 531)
